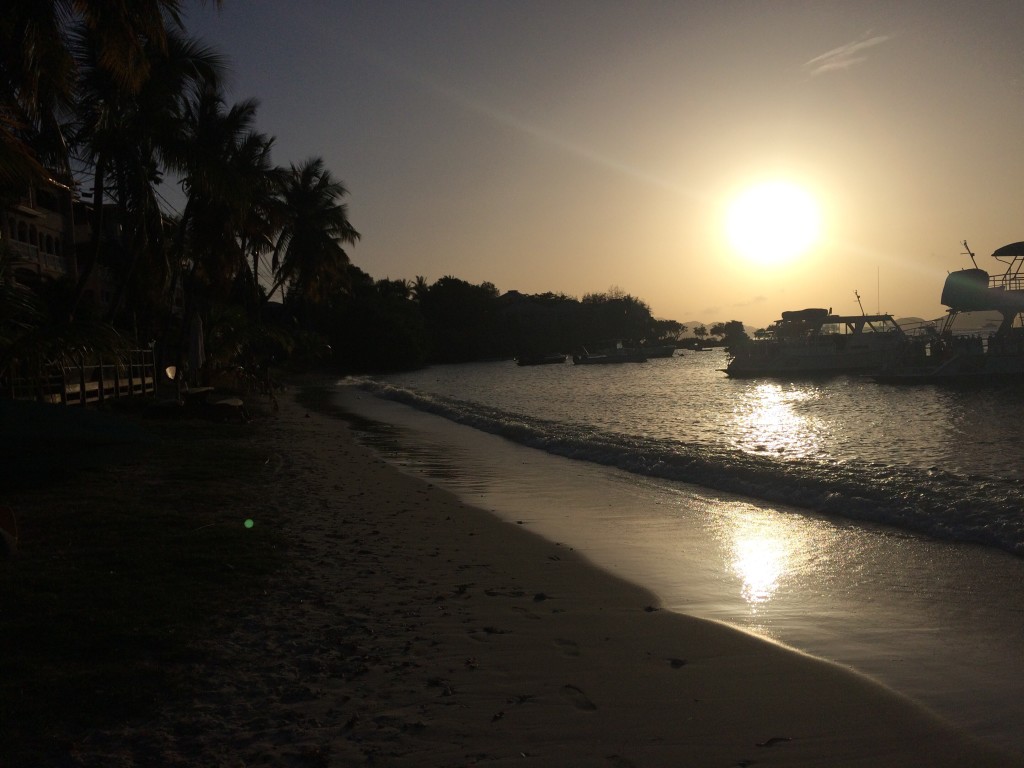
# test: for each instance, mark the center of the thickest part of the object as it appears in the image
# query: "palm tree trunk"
(96, 243)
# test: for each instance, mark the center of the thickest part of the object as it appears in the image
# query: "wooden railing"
(87, 383)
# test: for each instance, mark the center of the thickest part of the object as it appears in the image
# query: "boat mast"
(970, 253)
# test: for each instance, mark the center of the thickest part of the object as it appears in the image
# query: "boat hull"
(608, 359)
(978, 368)
(552, 359)
(815, 343)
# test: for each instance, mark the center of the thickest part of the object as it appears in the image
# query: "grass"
(128, 558)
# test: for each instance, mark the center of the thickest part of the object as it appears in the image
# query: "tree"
(376, 326)
(539, 324)
(616, 315)
(667, 330)
(149, 139)
(130, 131)
(420, 287)
(221, 158)
(309, 261)
(231, 210)
(37, 78)
(461, 319)
(731, 333)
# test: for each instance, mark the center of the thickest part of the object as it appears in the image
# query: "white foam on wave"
(936, 502)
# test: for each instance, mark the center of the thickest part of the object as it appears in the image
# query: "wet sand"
(411, 629)
(937, 621)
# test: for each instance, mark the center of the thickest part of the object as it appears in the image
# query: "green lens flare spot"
(249, 523)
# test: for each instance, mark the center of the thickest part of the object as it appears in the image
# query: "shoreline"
(408, 628)
(931, 620)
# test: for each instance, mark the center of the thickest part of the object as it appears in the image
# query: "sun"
(773, 222)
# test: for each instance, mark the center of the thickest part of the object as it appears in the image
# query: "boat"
(610, 355)
(549, 358)
(812, 342)
(941, 353)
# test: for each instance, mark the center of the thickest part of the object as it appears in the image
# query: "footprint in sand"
(568, 647)
(577, 698)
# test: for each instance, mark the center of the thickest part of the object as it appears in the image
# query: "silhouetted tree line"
(120, 95)
(395, 324)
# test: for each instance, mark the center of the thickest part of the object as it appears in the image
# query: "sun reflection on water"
(766, 550)
(760, 561)
(768, 420)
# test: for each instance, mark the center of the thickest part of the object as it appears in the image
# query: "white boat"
(941, 354)
(810, 342)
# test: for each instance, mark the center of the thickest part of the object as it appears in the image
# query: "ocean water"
(876, 526)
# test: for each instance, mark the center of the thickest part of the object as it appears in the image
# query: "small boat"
(550, 358)
(938, 353)
(814, 342)
(611, 355)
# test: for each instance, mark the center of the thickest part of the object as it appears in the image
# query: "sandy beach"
(409, 629)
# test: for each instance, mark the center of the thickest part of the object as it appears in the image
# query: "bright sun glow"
(773, 222)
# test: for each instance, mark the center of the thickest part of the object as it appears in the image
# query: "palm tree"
(36, 83)
(231, 208)
(227, 177)
(44, 45)
(147, 136)
(123, 34)
(309, 261)
(262, 217)
(420, 287)
(133, 75)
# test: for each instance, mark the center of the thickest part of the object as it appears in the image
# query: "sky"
(572, 147)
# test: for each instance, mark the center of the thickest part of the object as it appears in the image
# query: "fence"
(84, 383)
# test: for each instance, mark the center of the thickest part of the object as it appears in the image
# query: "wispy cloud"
(843, 57)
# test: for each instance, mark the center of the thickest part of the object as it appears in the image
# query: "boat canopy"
(1013, 249)
(967, 290)
(805, 314)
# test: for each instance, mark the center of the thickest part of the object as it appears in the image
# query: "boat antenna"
(971, 254)
(859, 303)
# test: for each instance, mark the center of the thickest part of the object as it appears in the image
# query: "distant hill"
(903, 322)
(977, 322)
(966, 322)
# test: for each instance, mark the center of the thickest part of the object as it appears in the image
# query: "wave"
(935, 502)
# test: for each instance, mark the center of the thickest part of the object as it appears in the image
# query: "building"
(39, 232)
(45, 229)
